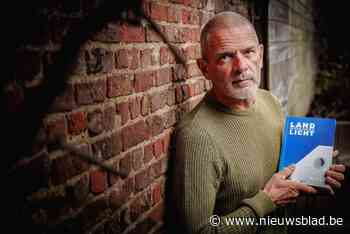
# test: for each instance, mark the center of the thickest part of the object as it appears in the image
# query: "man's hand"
(282, 191)
(335, 175)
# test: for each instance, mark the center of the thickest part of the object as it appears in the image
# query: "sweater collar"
(223, 108)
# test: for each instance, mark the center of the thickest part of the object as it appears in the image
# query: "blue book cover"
(308, 144)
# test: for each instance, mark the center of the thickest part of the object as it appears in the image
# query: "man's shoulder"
(269, 98)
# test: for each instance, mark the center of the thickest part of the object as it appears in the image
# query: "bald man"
(227, 148)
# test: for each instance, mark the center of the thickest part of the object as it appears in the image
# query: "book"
(308, 144)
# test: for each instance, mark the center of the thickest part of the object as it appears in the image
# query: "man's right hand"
(282, 191)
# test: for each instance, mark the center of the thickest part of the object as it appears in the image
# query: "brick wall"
(123, 97)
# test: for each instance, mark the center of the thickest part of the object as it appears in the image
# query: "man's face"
(233, 63)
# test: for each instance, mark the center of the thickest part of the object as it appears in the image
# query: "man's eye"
(225, 58)
(250, 52)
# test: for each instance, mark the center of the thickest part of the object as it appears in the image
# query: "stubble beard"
(245, 93)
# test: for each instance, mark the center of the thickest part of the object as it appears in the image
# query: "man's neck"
(234, 104)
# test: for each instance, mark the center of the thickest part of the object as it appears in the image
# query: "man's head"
(231, 57)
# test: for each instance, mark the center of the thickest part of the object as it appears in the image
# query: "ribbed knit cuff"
(260, 203)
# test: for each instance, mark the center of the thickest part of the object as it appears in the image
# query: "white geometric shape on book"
(313, 166)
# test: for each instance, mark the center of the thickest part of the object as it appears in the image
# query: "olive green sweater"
(223, 160)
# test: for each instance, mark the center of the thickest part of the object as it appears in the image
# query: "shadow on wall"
(24, 109)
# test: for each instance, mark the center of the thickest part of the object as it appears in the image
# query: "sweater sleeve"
(198, 172)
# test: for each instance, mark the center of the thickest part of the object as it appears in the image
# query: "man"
(227, 148)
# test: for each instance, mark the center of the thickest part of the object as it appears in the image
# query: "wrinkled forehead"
(236, 37)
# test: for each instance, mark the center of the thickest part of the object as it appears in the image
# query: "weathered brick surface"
(95, 122)
(134, 134)
(67, 166)
(124, 95)
(90, 92)
(99, 60)
(76, 123)
(98, 181)
(144, 80)
(119, 85)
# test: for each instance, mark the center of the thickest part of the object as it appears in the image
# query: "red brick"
(169, 118)
(98, 180)
(156, 193)
(191, 90)
(155, 124)
(130, 33)
(135, 58)
(109, 114)
(173, 14)
(145, 105)
(186, 34)
(144, 81)
(152, 36)
(156, 169)
(195, 35)
(158, 100)
(186, 14)
(90, 92)
(107, 34)
(146, 58)
(67, 166)
(95, 122)
(142, 180)
(192, 52)
(76, 123)
(56, 129)
(137, 159)
(134, 134)
(114, 178)
(123, 110)
(158, 147)
(99, 60)
(164, 76)
(139, 206)
(158, 12)
(185, 91)
(103, 148)
(116, 141)
(122, 59)
(173, 33)
(157, 214)
(119, 85)
(148, 153)
(125, 164)
(171, 97)
(179, 72)
(129, 185)
(178, 94)
(118, 197)
(163, 55)
(79, 191)
(135, 107)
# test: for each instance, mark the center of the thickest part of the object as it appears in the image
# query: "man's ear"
(261, 56)
(203, 66)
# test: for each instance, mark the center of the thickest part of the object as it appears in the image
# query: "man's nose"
(239, 63)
